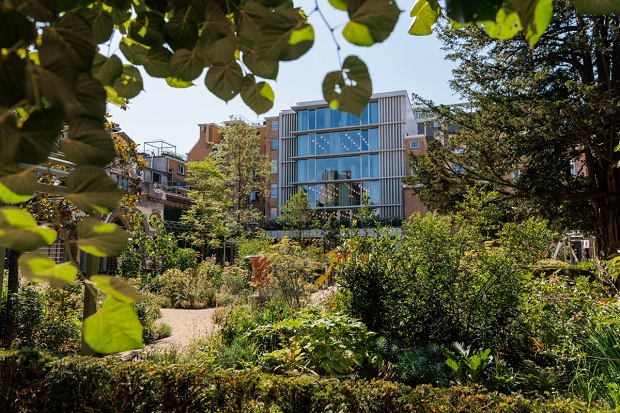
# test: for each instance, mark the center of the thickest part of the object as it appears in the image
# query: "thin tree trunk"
(12, 291)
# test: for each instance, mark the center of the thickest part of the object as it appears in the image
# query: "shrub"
(30, 381)
(439, 282)
(318, 342)
(183, 259)
(185, 289)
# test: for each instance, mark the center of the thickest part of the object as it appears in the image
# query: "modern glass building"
(338, 157)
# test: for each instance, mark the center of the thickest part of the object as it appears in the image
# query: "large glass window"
(302, 145)
(302, 171)
(373, 112)
(374, 166)
(302, 120)
(342, 194)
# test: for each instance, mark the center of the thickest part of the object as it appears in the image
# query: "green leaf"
(41, 268)
(339, 4)
(15, 29)
(114, 328)
(425, 14)
(506, 25)
(465, 11)
(597, 6)
(34, 141)
(258, 96)
(248, 22)
(260, 67)
(350, 88)
(16, 184)
(107, 70)
(285, 35)
(186, 65)
(157, 62)
(102, 25)
(116, 287)
(148, 29)
(101, 239)
(89, 101)
(74, 37)
(113, 98)
(377, 16)
(178, 83)
(182, 29)
(19, 231)
(133, 51)
(535, 16)
(130, 84)
(221, 50)
(88, 143)
(92, 190)
(224, 80)
(12, 79)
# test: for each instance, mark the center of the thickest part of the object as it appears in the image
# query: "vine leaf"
(258, 96)
(107, 70)
(535, 16)
(597, 7)
(148, 29)
(133, 51)
(186, 65)
(371, 21)
(157, 62)
(116, 287)
(465, 11)
(506, 25)
(72, 37)
(130, 84)
(41, 268)
(285, 35)
(15, 28)
(425, 14)
(224, 80)
(19, 231)
(261, 67)
(12, 79)
(348, 89)
(114, 328)
(88, 143)
(16, 184)
(34, 141)
(92, 190)
(101, 239)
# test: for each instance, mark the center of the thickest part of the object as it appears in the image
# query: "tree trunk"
(607, 225)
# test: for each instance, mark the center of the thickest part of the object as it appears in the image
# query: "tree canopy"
(541, 127)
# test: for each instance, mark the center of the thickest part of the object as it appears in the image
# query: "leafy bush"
(183, 259)
(185, 289)
(439, 282)
(318, 342)
(422, 365)
(30, 381)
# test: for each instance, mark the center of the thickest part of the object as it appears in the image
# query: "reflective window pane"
(302, 145)
(374, 166)
(302, 120)
(302, 171)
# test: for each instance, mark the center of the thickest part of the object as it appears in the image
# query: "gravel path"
(187, 325)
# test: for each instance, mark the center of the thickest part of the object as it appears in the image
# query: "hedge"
(34, 382)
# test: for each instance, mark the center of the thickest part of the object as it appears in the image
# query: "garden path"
(187, 325)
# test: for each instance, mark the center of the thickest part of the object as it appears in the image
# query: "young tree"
(297, 215)
(211, 201)
(544, 128)
(245, 170)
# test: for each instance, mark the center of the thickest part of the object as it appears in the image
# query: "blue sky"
(402, 62)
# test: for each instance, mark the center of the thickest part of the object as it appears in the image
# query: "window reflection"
(323, 118)
(334, 143)
(342, 194)
(337, 169)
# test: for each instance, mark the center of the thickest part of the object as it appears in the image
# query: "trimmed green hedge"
(32, 382)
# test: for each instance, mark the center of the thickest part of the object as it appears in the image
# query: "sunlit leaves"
(133, 51)
(33, 141)
(114, 328)
(258, 96)
(101, 239)
(339, 4)
(147, 29)
(182, 29)
(116, 287)
(535, 16)
(19, 231)
(107, 70)
(348, 89)
(92, 190)
(16, 184)
(425, 14)
(285, 35)
(505, 26)
(225, 80)
(371, 21)
(88, 143)
(41, 268)
(130, 84)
